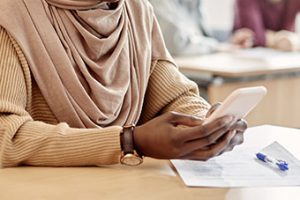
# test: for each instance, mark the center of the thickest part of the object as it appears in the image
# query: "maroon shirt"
(261, 15)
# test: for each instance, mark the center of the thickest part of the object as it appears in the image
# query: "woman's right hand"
(178, 136)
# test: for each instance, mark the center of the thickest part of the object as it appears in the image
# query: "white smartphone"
(239, 103)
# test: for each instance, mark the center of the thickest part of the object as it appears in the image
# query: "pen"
(282, 165)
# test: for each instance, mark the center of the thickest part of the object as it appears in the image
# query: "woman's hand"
(243, 37)
(165, 137)
(238, 127)
(283, 40)
(286, 41)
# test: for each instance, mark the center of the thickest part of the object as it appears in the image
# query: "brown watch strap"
(127, 139)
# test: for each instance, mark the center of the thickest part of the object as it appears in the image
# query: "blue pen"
(282, 165)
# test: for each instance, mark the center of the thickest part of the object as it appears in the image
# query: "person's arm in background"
(180, 38)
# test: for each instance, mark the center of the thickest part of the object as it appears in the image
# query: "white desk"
(224, 72)
(155, 179)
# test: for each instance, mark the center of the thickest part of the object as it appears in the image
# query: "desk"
(155, 179)
(222, 73)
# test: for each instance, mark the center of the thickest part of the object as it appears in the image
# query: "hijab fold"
(91, 64)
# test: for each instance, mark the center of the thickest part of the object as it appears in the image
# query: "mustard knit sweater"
(31, 135)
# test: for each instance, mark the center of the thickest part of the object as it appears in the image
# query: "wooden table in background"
(224, 72)
(153, 180)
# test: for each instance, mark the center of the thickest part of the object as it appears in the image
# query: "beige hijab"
(91, 64)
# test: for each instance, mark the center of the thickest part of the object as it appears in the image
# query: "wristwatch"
(129, 156)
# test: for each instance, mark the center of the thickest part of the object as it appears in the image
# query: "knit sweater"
(31, 135)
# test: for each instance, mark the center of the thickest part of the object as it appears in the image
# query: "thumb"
(213, 109)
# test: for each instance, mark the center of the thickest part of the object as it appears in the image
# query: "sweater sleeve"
(29, 142)
(170, 90)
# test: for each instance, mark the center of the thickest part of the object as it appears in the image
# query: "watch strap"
(127, 139)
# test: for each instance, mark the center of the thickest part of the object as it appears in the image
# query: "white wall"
(218, 17)
(218, 13)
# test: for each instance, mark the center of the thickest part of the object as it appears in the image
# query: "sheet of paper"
(270, 57)
(260, 53)
(240, 168)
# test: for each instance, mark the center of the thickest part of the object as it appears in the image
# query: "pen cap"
(261, 156)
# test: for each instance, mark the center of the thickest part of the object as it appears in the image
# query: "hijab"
(90, 61)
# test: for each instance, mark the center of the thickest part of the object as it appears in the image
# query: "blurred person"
(182, 27)
(266, 23)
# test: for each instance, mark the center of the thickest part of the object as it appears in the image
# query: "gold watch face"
(131, 160)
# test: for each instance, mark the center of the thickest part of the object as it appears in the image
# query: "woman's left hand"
(286, 41)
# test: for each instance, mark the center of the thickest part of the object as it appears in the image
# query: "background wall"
(218, 15)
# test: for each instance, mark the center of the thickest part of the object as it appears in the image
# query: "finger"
(237, 139)
(213, 109)
(240, 125)
(182, 119)
(214, 150)
(203, 143)
(234, 142)
(202, 131)
(230, 148)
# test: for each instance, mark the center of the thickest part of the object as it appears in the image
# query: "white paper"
(240, 168)
(270, 57)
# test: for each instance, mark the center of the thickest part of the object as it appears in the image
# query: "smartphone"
(239, 103)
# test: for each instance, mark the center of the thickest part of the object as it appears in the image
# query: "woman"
(269, 23)
(75, 76)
